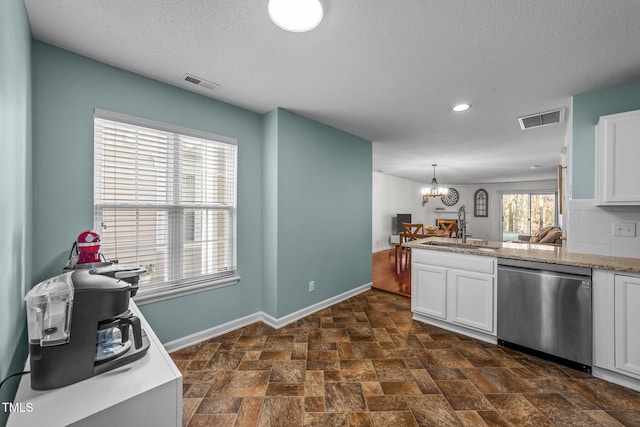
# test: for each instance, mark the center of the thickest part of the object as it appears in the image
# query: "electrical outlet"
(626, 229)
(312, 286)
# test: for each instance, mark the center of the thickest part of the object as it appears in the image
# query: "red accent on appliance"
(89, 243)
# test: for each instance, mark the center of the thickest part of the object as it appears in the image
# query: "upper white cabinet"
(617, 153)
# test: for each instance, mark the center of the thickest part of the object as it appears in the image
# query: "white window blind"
(165, 197)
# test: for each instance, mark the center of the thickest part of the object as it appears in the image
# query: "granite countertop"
(529, 252)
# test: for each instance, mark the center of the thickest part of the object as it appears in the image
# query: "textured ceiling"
(386, 70)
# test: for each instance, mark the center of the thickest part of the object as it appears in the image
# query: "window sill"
(161, 295)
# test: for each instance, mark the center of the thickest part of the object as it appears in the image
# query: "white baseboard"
(616, 378)
(225, 328)
(380, 249)
(290, 318)
(261, 316)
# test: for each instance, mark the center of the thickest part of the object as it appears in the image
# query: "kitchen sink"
(460, 246)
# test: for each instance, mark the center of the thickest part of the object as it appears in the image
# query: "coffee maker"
(79, 326)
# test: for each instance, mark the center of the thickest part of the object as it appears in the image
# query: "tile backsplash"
(590, 229)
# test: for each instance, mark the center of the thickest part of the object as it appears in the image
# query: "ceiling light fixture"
(433, 190)
(296, 15)
(461, 107)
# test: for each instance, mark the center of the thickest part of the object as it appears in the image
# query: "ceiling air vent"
(541, 119)
(200, 82)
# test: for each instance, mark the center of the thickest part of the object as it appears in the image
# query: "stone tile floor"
(365, 362)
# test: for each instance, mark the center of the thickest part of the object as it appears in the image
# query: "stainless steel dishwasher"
(546, 308)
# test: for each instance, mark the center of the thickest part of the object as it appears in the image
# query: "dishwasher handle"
(544, 266)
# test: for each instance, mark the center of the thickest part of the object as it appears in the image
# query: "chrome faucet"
(462, 220)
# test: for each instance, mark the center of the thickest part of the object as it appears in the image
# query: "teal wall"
(324, 211)
(15, 198)
(66, 89)
(304, 190)
(270, 210)
(587, 109)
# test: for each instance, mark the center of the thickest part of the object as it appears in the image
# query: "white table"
(147, 392)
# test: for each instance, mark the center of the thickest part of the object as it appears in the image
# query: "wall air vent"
(200, 82)
(541, 119)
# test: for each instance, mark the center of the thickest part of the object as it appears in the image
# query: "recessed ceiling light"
(535, 166)
(296, 15)
(461, 107)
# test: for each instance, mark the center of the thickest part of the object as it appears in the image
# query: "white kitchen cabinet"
(455, 291)
(617, 152)
(472, 299)
(627, 319)
(616, 342)
(430, 297)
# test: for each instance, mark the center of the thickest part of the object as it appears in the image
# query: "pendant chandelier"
(433, 190)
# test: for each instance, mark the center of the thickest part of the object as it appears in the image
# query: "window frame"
(480, 206)
(173, 288)
(529, 193)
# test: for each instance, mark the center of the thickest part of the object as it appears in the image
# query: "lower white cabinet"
(627, 321)
(616, 341)
(455, 291)
(473, 299)
(430, 297)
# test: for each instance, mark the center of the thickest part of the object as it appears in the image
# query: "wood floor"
(387, 276)
(365, 362)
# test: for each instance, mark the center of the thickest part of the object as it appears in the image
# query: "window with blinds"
(165, 197)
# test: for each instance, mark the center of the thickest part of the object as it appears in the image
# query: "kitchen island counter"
(529, 252)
